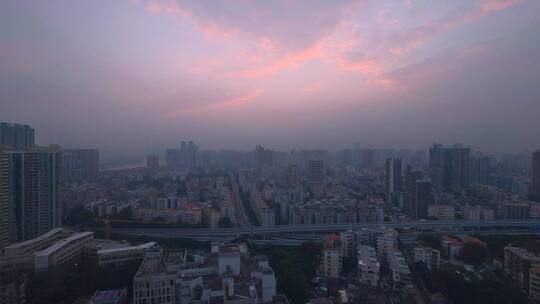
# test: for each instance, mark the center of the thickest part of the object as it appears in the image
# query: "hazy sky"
(133, 76)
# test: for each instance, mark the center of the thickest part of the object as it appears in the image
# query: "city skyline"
(134, 77)
(269, 151)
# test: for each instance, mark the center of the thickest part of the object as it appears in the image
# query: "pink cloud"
(224, 105)
(373, 57)
(339, 35)
(368, 67)
(289, 61)
(313, 87)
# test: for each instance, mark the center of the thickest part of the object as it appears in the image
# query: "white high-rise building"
(429, 256)
(386, 243)
(332, 259)
(401, 274)
(368, 266)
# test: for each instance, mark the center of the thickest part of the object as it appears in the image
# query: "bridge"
(525, 226)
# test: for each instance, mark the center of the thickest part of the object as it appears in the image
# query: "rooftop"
(43, 237)
(63, 242)
(126, 248)
(108, 296)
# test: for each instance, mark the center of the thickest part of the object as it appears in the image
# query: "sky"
(131, 77)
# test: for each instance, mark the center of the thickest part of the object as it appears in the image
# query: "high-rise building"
(173, 158)
(345, 157)
(450, 166)
(4, 202)
(152, 162)
(368, 158)
(16, 136)
(332, 261)
(393, 175)
(480, 169)
(422, 199)
(418, 194)
(385, 243)
(536, 174)
(33, 192)
(185, 158)
(292, 176)
(368, 266)
(411, 177)
(189, 153)
(315, 171)
(79, 164)
(263, 158)
(401, 273)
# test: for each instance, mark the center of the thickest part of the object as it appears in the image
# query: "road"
(241, 215)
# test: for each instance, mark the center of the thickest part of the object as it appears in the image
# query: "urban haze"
(269, 152)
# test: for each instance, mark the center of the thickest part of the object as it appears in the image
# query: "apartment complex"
(228, 274)
(16, 136)
(79, 164)
(33, 192)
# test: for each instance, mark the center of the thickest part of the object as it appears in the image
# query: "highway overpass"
(528, 226)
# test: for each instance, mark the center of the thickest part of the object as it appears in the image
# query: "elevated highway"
(526, 226)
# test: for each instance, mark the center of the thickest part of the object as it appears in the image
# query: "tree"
(159, 219)
(430, 240)
(349, 265)
(125, 214)
(80, 217)
(534, 247)
(473, 253)
(225, 223)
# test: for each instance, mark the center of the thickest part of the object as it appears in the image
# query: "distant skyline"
(130, 77)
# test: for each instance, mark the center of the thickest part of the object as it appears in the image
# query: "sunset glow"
(228, 72)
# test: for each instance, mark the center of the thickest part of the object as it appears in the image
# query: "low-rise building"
(34, 245)
(121, 255)
(477, 213)
(170, 216)
(451, 247)
(191, 214)
(442, 212)
(226, 275)
(534, 284)
(153, 283)
(211, 217)
(517, 264)
(63, 251)
(336, 211)
(13, 290)
(514, 211)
